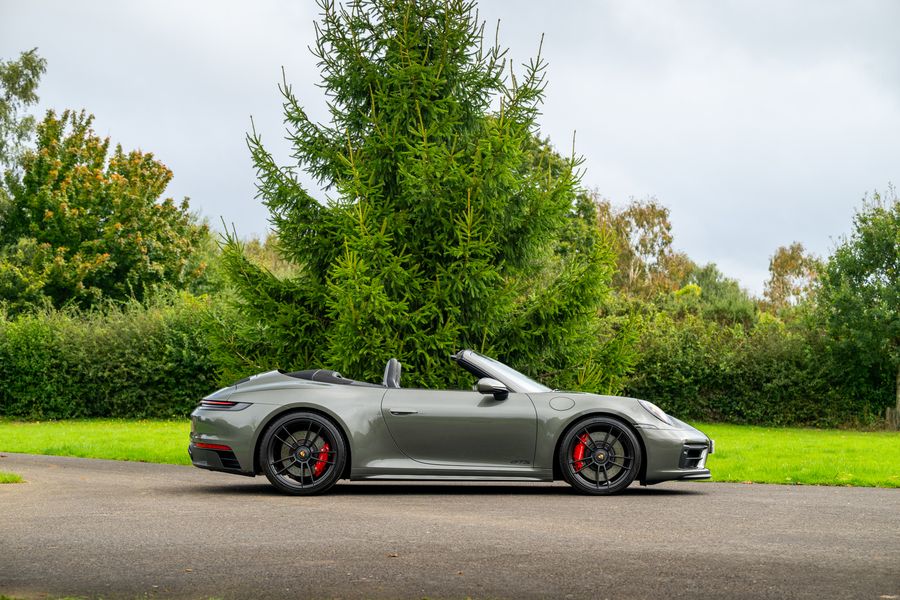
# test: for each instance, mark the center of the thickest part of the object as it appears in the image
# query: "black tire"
(599, 455)
(303, 453)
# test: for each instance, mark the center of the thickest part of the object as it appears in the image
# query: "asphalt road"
(112, 529)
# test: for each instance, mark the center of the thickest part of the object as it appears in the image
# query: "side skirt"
(447, 478)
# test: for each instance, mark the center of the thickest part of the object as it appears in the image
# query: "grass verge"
(810, 456)
(144, 441)
(743, 453)
(6, 477)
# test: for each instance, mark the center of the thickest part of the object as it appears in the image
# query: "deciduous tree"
(860, 296)
(792, 274)
(647, 264)
(18, 90)
(84, 224)
(722, 298)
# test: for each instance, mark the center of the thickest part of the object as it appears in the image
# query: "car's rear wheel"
(600, 455)
(303, 453)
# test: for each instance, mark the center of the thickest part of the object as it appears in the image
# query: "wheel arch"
(275, 415)
(642, 471)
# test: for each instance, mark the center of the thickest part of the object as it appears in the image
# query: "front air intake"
(693, 456)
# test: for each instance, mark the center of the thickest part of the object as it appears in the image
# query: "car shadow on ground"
(438, 489)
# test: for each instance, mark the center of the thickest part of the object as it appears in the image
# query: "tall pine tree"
(444, 219)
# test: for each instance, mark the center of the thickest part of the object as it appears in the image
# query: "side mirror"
(487, 385)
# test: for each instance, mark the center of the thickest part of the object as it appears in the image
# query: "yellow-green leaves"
(83, 225)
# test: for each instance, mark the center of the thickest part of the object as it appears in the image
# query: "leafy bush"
(132, 361)
(138, 361)
(767, 373)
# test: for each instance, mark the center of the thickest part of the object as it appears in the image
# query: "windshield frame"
(483, 366)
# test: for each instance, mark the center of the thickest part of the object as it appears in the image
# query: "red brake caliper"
(320, 460)
(580, 450)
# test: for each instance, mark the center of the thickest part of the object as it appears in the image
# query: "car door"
(462, 427)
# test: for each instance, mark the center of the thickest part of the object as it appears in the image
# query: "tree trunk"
(892, 415)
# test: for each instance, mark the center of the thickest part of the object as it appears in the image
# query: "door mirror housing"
(487, 385)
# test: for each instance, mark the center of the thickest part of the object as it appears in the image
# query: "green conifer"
(445, 217)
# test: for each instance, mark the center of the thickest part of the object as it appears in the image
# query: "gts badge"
(520, 461)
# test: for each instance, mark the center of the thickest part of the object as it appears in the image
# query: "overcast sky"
(756, 123)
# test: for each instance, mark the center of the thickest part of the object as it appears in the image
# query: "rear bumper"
(231, 428)
(216, 460)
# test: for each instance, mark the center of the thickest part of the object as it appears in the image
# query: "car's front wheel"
(303, 453)
(599, 455)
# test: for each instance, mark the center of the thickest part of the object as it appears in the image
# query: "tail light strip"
(212, 446)
(223, 405)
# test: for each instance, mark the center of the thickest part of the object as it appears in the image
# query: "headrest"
(392, 374)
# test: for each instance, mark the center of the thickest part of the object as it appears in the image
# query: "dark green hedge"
(132, 362)
(157, 361)
(767, 374)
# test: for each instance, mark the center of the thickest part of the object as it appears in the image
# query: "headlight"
(657, 412)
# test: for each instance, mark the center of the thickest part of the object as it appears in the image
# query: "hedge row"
(157, 361)
(134, 362)
(767, 374)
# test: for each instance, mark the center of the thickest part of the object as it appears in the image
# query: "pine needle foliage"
(444, 220)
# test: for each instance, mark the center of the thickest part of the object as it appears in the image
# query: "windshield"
(515, 381)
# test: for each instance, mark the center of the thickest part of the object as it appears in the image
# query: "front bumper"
(675, 453)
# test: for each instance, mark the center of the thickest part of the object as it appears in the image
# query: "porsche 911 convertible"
(307, 429)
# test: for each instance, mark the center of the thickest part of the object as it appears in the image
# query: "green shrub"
(133, 361)
(156, 361)
(767, 373)
(33, 368)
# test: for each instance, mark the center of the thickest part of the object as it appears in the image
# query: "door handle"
(403, 411)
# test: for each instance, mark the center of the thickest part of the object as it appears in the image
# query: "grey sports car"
(308, 429)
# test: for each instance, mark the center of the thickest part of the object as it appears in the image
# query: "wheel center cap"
(303, 453)
(601, 456)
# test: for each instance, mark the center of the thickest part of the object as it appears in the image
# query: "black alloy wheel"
(600, 455)
(303, 453)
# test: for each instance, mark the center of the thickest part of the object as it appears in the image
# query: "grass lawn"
(9, 477)
(144, 441)
(743, 453)
(811, 456)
